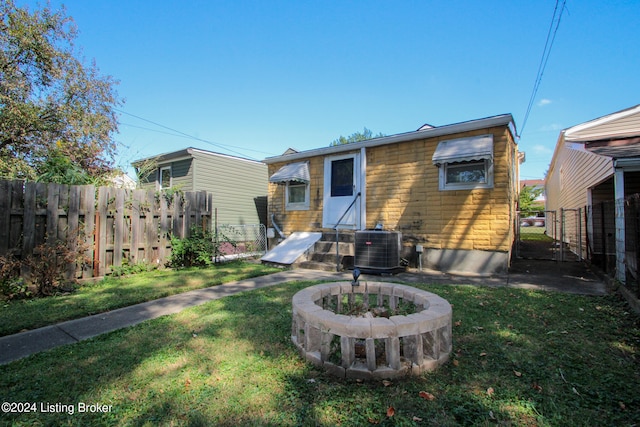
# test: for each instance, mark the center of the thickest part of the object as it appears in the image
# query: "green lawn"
(520, 358)
(534, 234)
(116, 292)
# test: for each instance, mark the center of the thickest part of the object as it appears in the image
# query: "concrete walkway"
(549, 276)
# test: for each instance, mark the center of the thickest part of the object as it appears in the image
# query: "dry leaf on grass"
(391, 411)
(490, 391)
(426, 395)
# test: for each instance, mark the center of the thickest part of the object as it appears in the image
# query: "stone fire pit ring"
(368, 346)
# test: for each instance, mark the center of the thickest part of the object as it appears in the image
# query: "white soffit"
(625, 123)
(464, 149)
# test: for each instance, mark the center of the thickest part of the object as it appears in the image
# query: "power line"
(181, 134)
(551, 36)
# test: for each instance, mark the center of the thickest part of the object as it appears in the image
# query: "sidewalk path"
(17, 346)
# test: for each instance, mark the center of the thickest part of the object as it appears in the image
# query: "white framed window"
(465, 163)
(296, 196)
(164, 177)
(466, 175)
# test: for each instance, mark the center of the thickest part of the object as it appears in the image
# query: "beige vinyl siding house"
(595, 162)
(238, 185)
(573, 170)
(451, 189)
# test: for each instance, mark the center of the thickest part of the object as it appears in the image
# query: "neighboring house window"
(297, 196)
(164, 177)
(466, 175)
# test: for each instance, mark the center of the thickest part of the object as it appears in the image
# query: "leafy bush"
(129, 267)
(48, 267)
(12, 286)
(197, 250)
(43, 272)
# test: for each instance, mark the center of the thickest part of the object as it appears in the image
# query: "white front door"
(341, 187)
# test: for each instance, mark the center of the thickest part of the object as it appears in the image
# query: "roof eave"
(501, 120)
(630, 164)
(165, 156)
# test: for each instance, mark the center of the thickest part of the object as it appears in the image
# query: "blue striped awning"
(296, 172)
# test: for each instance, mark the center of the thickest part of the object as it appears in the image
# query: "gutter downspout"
(273, 222)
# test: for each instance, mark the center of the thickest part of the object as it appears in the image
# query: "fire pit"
(373, 330)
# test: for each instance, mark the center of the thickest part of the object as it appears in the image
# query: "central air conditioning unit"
(378, 251)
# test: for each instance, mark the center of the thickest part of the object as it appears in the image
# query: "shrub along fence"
(108, 226)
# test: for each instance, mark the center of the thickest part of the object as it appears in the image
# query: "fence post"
(101, 238)
(73, 229)
(5, 216)
(150, 233)
(164, 229)
(579, 224)
(177, 223)
(620, 245)
(561, 234)
(89, 211)
(119, 228)
(136, 207)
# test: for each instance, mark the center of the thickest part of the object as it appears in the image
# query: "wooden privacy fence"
(111, 225)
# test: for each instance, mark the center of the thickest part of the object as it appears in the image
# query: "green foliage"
(146, 171)
(356, 137)
(128, 268)
(527, 201)
(169, 195)
(12, 286)
(197, 250)
(57, 167)
(46, 271)
(48, 95)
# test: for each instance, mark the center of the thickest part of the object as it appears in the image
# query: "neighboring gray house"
(239, 186)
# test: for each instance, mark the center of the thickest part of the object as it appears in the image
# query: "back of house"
(449, 193)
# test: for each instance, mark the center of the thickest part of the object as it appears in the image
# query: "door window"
(342, 177)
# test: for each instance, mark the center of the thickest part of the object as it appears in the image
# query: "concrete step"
(327, 257)
(344, 236)
(316, 265)
(323, 254)
(345, 264)
(330, 248)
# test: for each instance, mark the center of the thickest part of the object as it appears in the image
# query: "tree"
(356, 137)
(527, 201)
(51, 103)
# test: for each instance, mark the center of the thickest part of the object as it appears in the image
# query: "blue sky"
(253, 78)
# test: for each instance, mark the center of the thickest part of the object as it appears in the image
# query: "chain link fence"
(603, 239)
(240, 241)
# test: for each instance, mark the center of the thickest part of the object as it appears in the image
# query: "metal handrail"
(338, 230)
